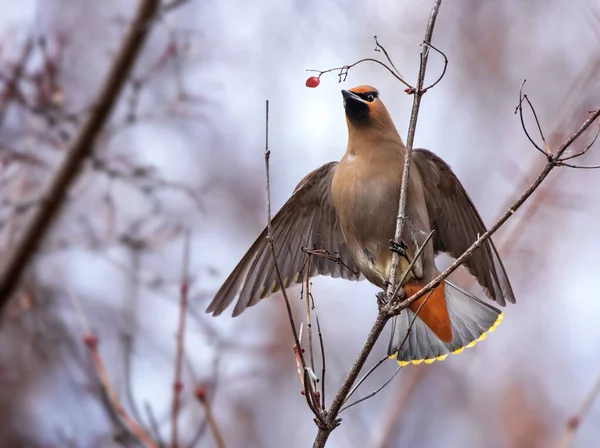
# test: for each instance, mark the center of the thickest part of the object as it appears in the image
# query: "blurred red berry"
(313, 82)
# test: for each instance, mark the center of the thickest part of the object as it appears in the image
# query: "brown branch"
(212, 424)
(79, 150)
(331, 420)
(575, 421)
(412, 126)
(177, 381)
(311, 355)
(112, 399)
(308, 390)
(550, 164)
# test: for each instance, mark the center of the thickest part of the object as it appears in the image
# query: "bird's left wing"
(457, 225)
(307, 220)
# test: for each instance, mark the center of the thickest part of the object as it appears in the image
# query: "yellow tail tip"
(454, 352)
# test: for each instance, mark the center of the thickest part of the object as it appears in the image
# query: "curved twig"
(436, 82)
(343, 70)
(519, 108)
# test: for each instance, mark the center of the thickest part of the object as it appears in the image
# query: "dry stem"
(79, 150)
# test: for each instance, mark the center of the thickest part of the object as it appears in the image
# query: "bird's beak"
(349, 96)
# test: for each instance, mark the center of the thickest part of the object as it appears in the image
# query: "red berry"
(313, 82)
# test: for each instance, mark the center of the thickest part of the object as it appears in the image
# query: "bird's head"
(365, 111)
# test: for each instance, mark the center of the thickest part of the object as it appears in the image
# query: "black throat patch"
(357, 111)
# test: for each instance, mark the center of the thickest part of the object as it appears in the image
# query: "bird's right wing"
(307, 220)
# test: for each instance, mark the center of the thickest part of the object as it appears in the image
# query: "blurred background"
(183, 154)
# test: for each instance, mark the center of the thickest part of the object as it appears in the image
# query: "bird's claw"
(399, 248)
(381, 298)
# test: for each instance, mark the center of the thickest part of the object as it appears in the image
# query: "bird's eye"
(370, 98)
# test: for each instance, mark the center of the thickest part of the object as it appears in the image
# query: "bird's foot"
(381, 298)
(399, 248)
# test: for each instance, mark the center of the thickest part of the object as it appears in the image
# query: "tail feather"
(412, 341)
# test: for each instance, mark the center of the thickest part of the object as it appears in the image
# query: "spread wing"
(457, 225)
(307, 220)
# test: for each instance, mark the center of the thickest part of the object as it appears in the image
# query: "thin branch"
(437, 81)
(212, 424)
(343, 70)
(412, 126)
(116, 407)
(331, 420)
(578, 167)
(323, 369)
(574, 422)
(586, 149)
(372, 369)
(153, 424)
(550, 164)
(519, 108)
(79, 150)
(177, 381)
(380, 48)
(282, 287)
(311, 355)
(372, 394)
(412, 263)
(364, 377)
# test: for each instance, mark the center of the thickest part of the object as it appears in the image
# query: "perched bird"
(348, 209)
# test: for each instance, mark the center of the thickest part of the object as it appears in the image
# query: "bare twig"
(412, 127)
(308, 390)
(575, 421)
(522, 97)
(311, 355)
(372, 394)
(79, 150)
(177, 381)
(323, 369)
(550, 164)
(584, 150)
(91, 342)
(212, 424)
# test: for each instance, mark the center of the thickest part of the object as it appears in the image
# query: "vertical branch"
(311, 356)
(412, 126)
(79, 150)
(331, 420)
(177, 381)
(297, 347)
